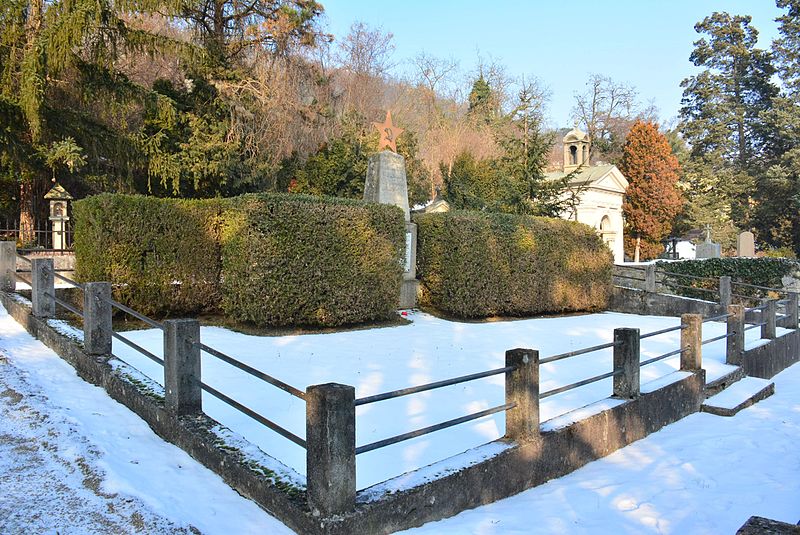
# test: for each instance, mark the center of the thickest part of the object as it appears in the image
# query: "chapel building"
(600, 189)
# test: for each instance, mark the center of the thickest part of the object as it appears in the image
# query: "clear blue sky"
(645, 43)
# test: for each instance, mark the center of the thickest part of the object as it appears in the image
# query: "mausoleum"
(600, 190)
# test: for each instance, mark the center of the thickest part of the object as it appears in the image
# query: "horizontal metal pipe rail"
(716, 338)
(252, 371)
(138, 348)
(661, 357)
(754, 326)
(767, 288)
(578, 384)
(138, 316)
(65, 305)
(430, 429)
(752, 297)
(254, 415)
(68, 280)
(26, 259)
(630, 278)
(676, 285)
(577, 352)
(662, 331)
(431, 386)
(717, 318)
(688, 276)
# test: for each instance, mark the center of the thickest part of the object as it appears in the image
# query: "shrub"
(477, 264)
(268, 259)
(766, 272)
(298, 260)
(162, 255)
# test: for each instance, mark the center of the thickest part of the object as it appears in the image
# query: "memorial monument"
(386, 184)
(708, 249)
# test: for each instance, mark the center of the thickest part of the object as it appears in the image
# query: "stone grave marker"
(708, 249)
(746, 244)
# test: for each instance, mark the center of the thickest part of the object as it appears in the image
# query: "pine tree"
(652, 200)
(723, 106)
(777, 216)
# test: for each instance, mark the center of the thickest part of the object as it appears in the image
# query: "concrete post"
(97, 318)
(768, 320)
(43, 288)
(626, 361)
(522, 388)
(792, 302)
(725, 291)
(182, 366)
(8, 266)
(735, 346)
(692, 342)
(650, 278)
(330, 449)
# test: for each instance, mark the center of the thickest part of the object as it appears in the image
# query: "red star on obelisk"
(389, 133)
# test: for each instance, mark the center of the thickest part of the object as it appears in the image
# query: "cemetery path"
(73, 461)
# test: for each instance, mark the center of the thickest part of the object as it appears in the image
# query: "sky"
(644, 43)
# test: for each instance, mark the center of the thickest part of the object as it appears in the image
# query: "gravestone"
(386, 184)
(708, 249)
(745, 245)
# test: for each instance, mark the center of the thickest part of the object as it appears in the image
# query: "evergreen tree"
(653, 199)
(483, 104)
(722, 106)
(777, 217)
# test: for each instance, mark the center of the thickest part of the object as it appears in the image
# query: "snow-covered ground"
(74, 461)
(428, 349)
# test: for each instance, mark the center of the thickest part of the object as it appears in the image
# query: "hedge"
(767, 272)
(272, 260)
(162, 255)
(478, 264)
(296, 260)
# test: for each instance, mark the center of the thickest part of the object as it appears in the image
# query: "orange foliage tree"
(653, 199)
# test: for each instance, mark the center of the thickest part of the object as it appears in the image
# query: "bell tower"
(576, 149)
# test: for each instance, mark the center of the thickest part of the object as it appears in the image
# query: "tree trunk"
(636, 250)
(27, 235)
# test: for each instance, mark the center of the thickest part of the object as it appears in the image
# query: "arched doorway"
(607, 233)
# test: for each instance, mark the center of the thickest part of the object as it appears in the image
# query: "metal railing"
(331, 409)
(46, 267)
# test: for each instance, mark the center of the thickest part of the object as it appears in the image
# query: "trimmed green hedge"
(759, 271)
(478, 264)
(162, 255)
(272, 260)
(297, 260)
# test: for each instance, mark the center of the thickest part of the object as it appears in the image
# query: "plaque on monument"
(746, 245)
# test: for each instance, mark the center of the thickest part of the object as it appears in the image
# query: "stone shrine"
(59, 200)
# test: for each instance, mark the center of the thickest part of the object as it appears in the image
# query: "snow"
(738, 393)
(72, 460)
(427, 349)
(703, 474)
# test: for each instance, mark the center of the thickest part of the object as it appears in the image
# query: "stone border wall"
(190, 433)
(519, 466)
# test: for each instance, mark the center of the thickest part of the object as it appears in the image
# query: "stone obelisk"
(387, 184)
